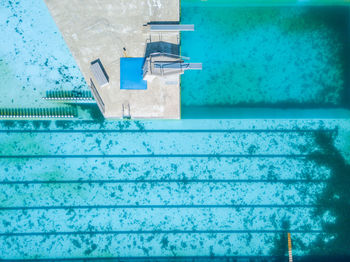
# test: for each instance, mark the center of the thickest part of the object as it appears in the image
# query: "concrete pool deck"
(101, 30)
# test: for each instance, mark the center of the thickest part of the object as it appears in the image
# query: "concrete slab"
(101, 30)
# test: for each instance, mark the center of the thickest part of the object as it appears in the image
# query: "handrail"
(97, 96)
(55, 112)
(169, 54)
(70, 95)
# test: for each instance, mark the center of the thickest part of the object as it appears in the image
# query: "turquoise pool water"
(265, 56)
(172, 188)
(191, 188)
(33, 56)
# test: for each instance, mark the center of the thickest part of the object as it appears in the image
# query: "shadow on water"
(337, 18)
(332, 21)
(94, 112)
(334, 200)
(346, 94)
(280, 248)
(278, 105)
(91, 109)
(25, 124)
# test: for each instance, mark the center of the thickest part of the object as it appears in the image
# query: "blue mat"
(131, 73)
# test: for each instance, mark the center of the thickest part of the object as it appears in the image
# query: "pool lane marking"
(172, 131)
(137, 181)
(162, 156)
(124, 232)
(189, 206)
(169, 258)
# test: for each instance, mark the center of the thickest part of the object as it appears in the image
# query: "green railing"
(58, 112)
(69, 96)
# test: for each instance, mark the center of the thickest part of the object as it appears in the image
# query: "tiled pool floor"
(184, 188)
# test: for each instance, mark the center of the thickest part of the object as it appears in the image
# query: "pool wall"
(347, 78)
(196, 112)
(270, 2)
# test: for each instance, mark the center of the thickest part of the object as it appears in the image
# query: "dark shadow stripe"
(159, 206)
(170, 131)
(125, 232)
(214, 258)
(184, 181)
(160, 156)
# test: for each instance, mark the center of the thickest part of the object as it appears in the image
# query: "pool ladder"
(126, 111)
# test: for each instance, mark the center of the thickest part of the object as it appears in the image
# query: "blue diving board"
(184, 66)
(171, 27)
(131, 74)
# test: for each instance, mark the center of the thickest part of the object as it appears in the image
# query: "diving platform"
(163, 65)
(108, 31)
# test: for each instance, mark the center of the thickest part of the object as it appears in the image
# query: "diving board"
(166, 68)
(171, 27)
(162, 64)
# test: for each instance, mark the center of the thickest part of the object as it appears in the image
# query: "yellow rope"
(290, 248)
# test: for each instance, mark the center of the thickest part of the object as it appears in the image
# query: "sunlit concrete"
(101, 30)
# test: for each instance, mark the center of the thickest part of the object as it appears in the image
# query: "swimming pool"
(34, 58)
(268, 56)
(193, 188)
(159, 188)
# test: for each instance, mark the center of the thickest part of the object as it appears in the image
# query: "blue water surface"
(33, 56)
(265, 56)
(187, 188)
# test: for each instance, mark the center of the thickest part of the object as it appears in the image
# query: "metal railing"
(69, 96)
(97, 96)
(57, 112)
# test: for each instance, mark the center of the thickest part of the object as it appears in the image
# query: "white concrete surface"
(100, 29)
